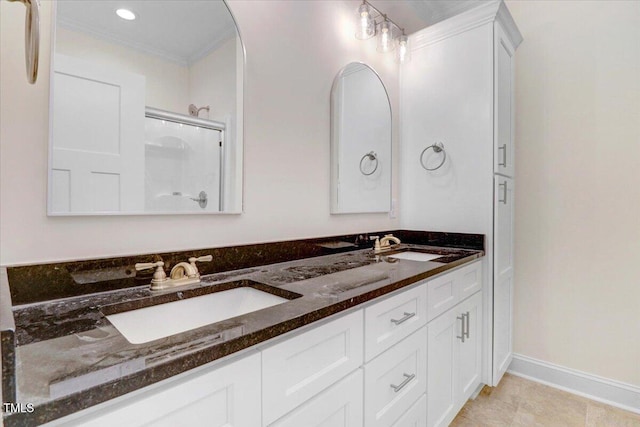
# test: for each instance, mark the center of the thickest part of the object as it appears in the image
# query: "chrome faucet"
(182, 274)
(384, 244)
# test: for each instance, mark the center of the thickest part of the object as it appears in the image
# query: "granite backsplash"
(69, 279)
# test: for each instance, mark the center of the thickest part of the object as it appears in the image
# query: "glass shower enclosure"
(184, 163)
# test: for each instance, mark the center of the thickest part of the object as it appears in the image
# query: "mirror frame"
(240, 148)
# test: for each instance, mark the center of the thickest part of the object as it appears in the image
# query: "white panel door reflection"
(97, 157)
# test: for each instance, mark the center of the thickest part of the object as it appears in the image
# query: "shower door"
(183, 167)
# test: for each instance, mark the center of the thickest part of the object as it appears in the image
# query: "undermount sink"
(415, 256)
(188, 312)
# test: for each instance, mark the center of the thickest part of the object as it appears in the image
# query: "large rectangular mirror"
(146, 108)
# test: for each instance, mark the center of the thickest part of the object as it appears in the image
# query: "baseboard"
(614, 393)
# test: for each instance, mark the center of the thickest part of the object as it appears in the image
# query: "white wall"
(294, 50)
(577, 280)
(215, 85)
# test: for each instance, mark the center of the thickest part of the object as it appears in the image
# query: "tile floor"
(519, 402)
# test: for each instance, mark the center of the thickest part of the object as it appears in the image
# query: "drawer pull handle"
(464, 322)
(406, 317)
(407, 379)
(462, 333)
(467, 316)
(504, 155)
(504, 193)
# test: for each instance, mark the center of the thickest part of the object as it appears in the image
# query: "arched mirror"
(360, 142)
(146, 108)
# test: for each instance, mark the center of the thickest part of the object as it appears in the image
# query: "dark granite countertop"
(69, 357)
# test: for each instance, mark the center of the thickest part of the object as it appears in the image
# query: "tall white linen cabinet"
(458, 90)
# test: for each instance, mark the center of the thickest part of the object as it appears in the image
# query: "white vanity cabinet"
(398, 361)
(216, 396)
(458, 89)
(454, 360)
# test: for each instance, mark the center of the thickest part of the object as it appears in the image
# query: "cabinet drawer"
(338, 406)
(447, 290)
(416, 416)
(395, 380)
(295, 370)
(469, 280)
(393, 319)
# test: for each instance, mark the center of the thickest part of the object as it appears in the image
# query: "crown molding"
(509, 25)
(491, 11)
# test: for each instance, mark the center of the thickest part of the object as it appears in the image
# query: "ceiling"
(415, 15)
(170, 29)
(179, 30)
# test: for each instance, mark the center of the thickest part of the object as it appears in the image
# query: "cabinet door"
(219, 397)
(443, 334)
(297, 369)
(338, 406)
(502, 276)
(470, 350)
(504, 103)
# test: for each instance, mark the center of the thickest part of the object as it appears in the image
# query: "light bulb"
(366, 26)
(385, 38)
(404, 53)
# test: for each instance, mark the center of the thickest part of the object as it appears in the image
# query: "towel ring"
(32, 38)
(438, 147)
(371, 155)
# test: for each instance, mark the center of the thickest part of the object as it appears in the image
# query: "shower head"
(195, 111)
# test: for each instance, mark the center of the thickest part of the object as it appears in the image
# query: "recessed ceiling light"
(126, 14)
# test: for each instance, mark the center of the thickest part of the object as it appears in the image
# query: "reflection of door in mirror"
(360, 142)
(107, 155)
(97, 159)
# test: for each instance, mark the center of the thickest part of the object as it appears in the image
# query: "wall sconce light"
(385, 36)
(366, 26)
(371, 22)
(404, 53)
